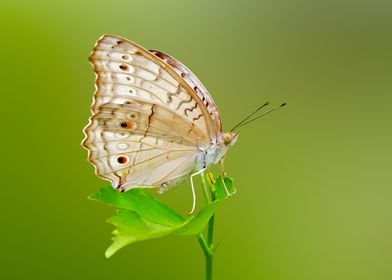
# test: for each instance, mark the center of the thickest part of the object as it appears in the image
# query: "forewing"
(126, 70)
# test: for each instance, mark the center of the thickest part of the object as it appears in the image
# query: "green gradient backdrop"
(314, 179)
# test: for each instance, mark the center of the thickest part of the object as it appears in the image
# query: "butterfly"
(153, 122)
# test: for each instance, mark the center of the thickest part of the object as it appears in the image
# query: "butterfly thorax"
(213, 153)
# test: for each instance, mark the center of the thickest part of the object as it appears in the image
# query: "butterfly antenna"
(262, 115)
(251, 115)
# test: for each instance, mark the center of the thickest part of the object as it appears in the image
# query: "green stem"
(207, 245)
(210, 229)
(209, 267)
(206, 192)
(203, 244)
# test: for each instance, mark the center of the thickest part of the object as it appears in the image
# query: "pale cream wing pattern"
(194, 83)
(147, 122)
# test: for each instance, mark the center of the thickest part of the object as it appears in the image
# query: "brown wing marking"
(197, 86)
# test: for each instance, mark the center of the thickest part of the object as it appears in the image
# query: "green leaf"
(140, 216)
(140, 201)
(220, 192)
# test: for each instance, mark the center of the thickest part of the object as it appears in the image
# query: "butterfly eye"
(227, 138)
(125, 57)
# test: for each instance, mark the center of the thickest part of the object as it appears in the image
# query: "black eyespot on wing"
(127, 125)
(122, 160)
(123, 67)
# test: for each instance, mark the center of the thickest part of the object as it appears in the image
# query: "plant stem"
(209, 267)
(207, 246)
(206, 191)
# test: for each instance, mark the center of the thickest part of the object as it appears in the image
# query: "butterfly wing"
(194, 83)
(147, 123)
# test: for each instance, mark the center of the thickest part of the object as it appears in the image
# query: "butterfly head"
(229, 138)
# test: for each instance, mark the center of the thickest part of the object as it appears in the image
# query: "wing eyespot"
(124, 67)
(128, 125)
(134, 116)
(122, 159)
(130, 102)
(122, 135)
(129, 78)
(124, 125)
(122, 146)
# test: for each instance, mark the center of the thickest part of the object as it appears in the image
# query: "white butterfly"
(153, 122)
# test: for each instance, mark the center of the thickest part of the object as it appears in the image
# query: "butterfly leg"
(223, 175)
(193, 190)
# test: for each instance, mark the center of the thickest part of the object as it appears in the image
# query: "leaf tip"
(108, 253)
(92, 196)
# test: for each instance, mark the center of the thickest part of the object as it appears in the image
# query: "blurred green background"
(314, 179)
